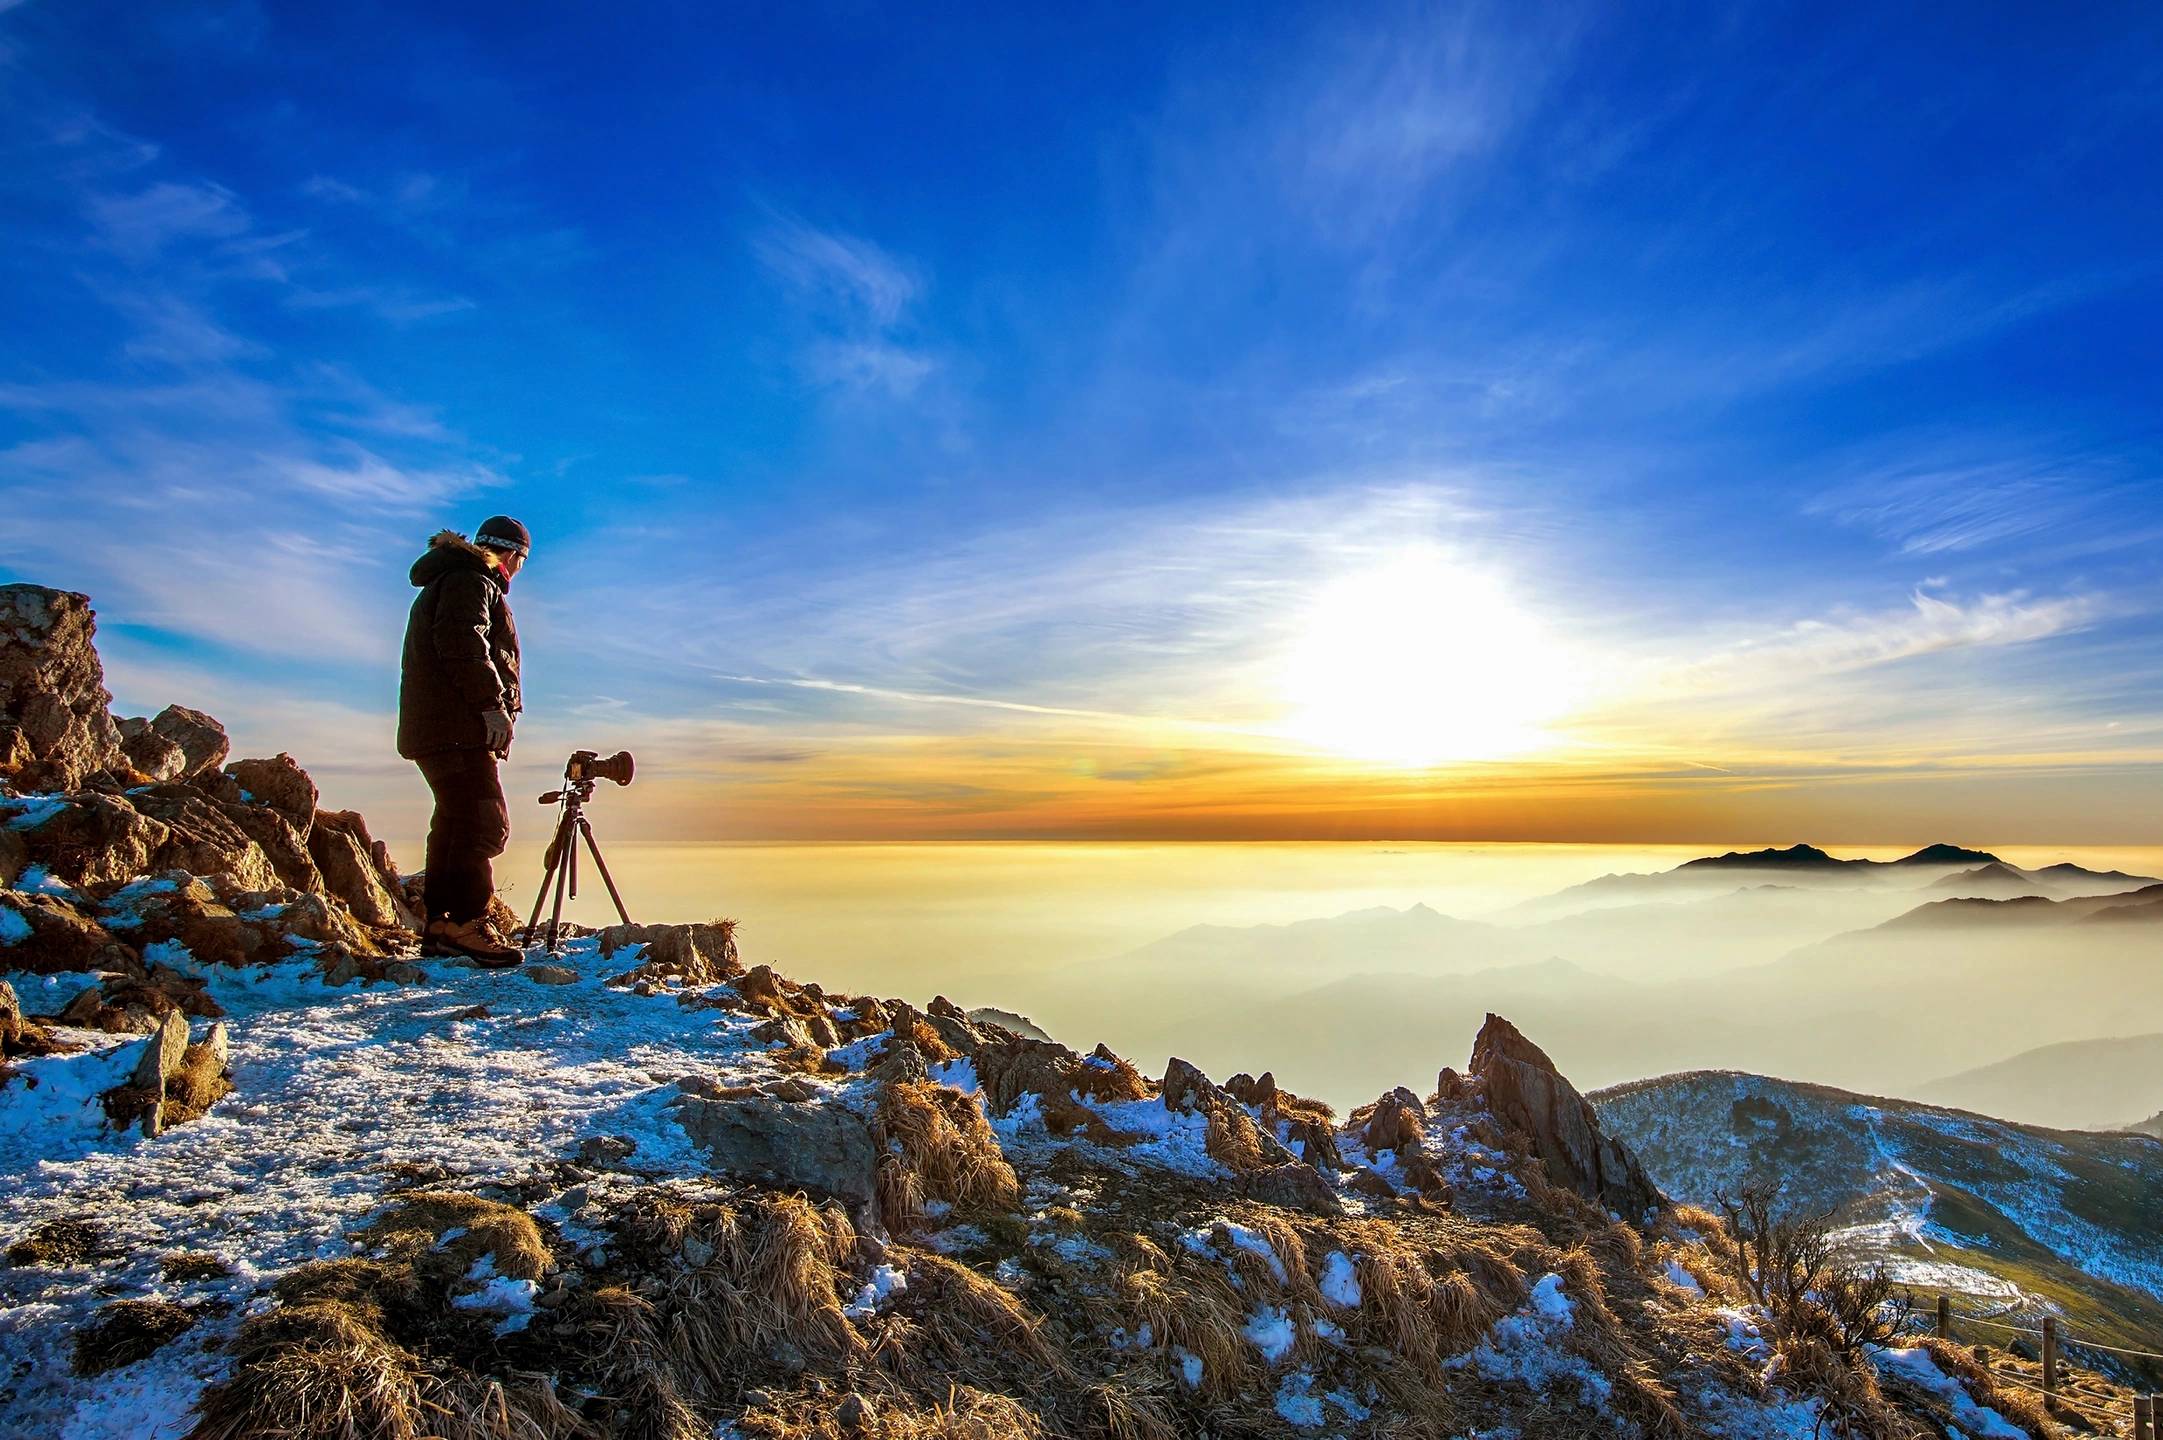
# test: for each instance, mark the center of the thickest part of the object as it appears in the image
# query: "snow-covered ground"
(337, 1092)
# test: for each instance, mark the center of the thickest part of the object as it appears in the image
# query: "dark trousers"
(470, 828)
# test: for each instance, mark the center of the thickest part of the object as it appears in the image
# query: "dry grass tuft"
(127, 1331)
(318, 1369)
(963, 1311)
(2024, 1408)
(964, 1414)
(1190, 1308)
(199, 1084)
(947, 1145)
(414, 1224)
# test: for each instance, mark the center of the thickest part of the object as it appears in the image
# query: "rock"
(282, 845)
(162, 1052)
(550, 974)
(819, 1147)
(202, 742)
(280, 784)
(153, 755)
(604, 1152)
(1398, 1119)
(311, 917)
(854, 1413)
(11, 1018)
(94, 839)
(52, 691)
(14, 856)
(218, 1044)
(1235, 1141)
(1293, 1184)
(201, 840)
(61, 938)
(1316, 1142)
(1528, 1095)
(339, 843)
(702, 954)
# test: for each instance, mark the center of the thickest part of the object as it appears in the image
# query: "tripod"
(562, 860)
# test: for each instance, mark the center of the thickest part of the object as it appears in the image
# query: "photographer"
(457, 701)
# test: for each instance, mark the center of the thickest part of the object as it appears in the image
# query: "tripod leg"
(548, 874)
(563, 876)
(607, 879)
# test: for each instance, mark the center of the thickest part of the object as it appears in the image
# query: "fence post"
(1945, 1317)
(2050, 1355)
(2143, 1417)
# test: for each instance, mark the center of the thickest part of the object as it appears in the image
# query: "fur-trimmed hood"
(447, 551)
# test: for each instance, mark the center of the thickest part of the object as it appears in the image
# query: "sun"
(1421, 660)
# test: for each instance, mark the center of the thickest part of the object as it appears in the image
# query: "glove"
(498, 733)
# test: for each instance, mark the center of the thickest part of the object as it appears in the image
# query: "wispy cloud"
(1949, 495)
(140, 224)
(856, 297)
(844, 273)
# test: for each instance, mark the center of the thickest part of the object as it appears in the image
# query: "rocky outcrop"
(1527, 1095)
(55, 729)
(823, 1148)
(123, 836)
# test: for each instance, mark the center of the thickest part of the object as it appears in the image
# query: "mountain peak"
(1942, 854)
(1760, 859)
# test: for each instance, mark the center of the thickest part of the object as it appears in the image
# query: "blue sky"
(950, 424)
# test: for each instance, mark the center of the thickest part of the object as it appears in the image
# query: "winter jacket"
(461, 655)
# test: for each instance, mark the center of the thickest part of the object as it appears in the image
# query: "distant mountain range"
(1879, 975)
(2077, 1084)
(1807, 866)
(2135, 906)
(2018, 1216)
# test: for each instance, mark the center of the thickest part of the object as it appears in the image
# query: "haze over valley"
(1842, 968)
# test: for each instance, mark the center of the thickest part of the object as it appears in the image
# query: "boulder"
(686, 954)
(52, 691)
(202, 742)
(92, 840)
(11, 1018)
(60, 937)
(161, 1052)
(1398, 1119)
(279, 783)
(1529, 1096)
(823, 1148)
(347, 874)
(1298, 1186)
(282, 845)
(346, 858)
(152, 755)
(1235, 1140)
(201, 839)
(544, 974)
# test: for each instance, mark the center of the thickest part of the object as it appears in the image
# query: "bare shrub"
(1788, 1262)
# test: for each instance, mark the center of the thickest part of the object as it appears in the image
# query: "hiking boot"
(475, 939)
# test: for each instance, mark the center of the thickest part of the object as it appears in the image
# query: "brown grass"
(947, 1149)
(127, 1331)
(1191, 1308)
(319, 1369)
(199, 1084)
(2024, 1408)
(412, 1226)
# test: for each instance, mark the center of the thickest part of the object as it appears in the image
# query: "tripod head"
(583, 768)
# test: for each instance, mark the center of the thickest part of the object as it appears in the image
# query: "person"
(458, 704)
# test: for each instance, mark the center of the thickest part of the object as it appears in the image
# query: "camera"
(588, 765)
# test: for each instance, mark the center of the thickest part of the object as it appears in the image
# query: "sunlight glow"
(1420, 661)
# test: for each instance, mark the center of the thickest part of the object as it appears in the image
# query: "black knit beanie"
(501, 532)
